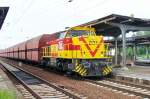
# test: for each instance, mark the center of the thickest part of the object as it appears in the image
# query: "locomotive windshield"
(75, 33)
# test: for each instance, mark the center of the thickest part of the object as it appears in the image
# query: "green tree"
(142, 33)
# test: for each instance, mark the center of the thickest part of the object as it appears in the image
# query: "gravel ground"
(82, 87)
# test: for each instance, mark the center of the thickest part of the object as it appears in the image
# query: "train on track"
(77, 49)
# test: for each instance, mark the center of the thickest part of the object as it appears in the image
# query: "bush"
(7, 94)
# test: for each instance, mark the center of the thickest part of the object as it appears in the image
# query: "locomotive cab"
(78, 31)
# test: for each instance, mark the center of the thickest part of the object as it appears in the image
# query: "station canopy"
(3, 13)
(104, 25)
(131, 40)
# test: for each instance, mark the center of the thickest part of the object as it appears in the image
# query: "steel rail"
(67, 93)
(119, 88)
(129, 83)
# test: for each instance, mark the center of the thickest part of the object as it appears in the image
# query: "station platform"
(6, 86)
(135, 74)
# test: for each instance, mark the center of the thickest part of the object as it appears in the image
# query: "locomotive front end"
(91, 58)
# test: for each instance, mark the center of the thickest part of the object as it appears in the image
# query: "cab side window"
(62, 35)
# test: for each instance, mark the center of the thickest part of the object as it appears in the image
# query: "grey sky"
(29, 18)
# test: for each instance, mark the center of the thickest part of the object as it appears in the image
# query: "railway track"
(124, 87)
(127, 90)
(38, 87)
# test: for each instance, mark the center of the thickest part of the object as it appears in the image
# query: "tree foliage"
(142, 33)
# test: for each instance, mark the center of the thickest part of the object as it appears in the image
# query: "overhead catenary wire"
(99, 4)
(73, 15)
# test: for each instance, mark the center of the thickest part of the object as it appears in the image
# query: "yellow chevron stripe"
(104, 71)
(85, 70)
(84, 73)
(81, 70)
(107, 70)
(110, 69)
(77, 67)
(78, 70)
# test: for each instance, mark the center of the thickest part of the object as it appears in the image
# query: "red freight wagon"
(2, 53)
(34, 46)
(11, 54)
(16, 51)
(22, 50)
(6, 52)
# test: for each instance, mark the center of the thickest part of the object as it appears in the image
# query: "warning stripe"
(80, 70)
(77, 67)
(84, 73)
(104, 71)
(107, 70)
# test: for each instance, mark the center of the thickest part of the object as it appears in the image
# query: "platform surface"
(6, 84)
(134, 72)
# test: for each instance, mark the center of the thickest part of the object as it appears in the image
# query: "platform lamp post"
(116, 50)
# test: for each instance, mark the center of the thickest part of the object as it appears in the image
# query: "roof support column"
(116, 51)
(147, 52)
(123, 32)
(134, 52)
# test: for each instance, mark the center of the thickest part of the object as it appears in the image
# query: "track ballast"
(39, 88)
(123, 87)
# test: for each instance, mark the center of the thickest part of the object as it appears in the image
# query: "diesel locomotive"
(78, 50)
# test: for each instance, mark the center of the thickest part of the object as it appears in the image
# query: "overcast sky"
(30, 18)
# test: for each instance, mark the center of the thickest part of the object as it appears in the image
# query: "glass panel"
(75, 33)
(62, 35)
